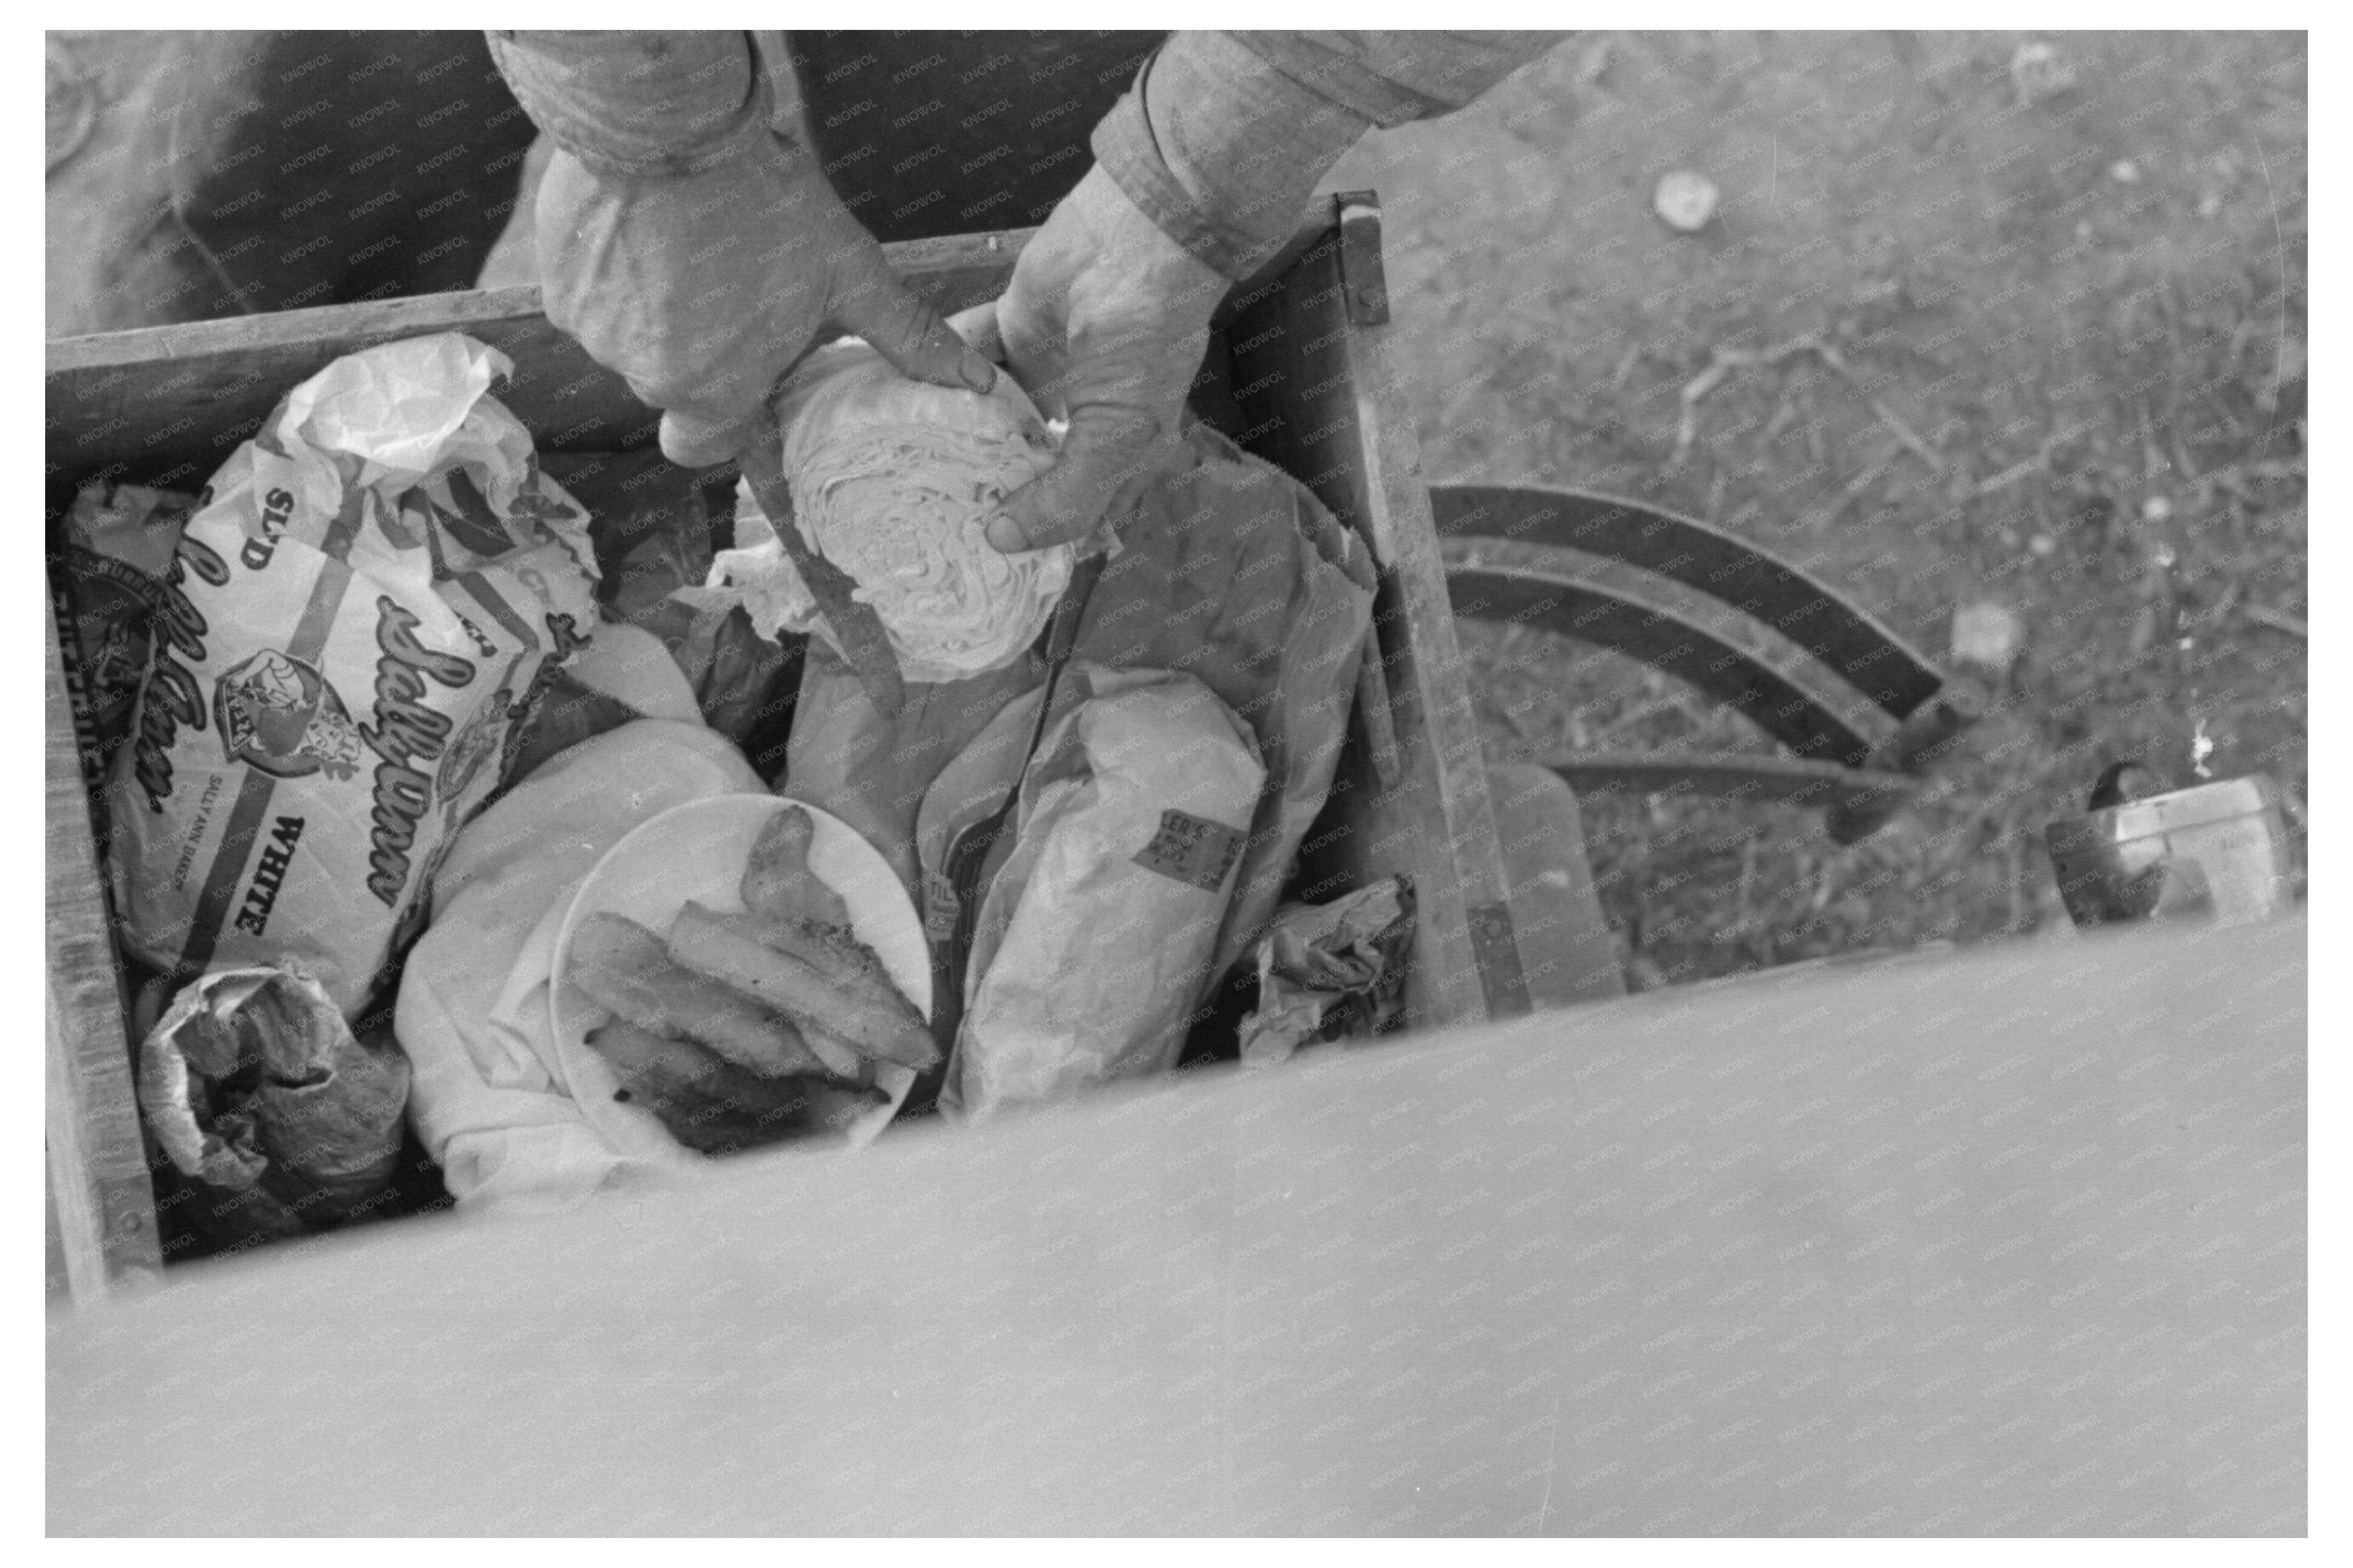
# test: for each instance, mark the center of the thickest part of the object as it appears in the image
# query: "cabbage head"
(892, 479)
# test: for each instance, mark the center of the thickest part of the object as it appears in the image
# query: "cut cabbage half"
(892, 479)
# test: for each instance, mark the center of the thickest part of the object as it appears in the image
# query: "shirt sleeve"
(639, 102)
(1222, 138)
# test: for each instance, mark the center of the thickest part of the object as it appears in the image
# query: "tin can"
(2217, 852)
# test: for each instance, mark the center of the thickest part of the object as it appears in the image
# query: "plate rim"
(896, 1079)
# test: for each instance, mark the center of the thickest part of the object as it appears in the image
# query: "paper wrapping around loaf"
(892, 479)
(1094, 941)
(348, 633)
(1232, 571)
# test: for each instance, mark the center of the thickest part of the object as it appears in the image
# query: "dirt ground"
(2075, 315)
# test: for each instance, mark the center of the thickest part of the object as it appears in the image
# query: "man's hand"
(1105, 323)
(702, 290)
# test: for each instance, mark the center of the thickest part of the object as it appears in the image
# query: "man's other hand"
(1103, 322)
(702, 290)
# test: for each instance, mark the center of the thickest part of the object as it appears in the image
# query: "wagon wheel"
(1862, 714)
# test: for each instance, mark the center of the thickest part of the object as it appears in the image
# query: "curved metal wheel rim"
(1774, 682)
(1848, 641)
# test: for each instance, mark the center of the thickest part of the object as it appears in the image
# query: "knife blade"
(863, 641)
(980, 850)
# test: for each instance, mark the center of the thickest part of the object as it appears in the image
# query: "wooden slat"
(56, 1273)
(1404, 539)
(98, 1166)
(1569, 955)
(1318, 398)
(167, 405)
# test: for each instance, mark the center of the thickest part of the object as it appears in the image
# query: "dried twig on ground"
(1902, 431)
(1866, 479)
(2278, 620)
(2013, 474)
(1723, 361)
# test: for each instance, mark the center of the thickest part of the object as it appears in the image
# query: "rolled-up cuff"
(641, 104)
(1221, 150)
(1391, 79)
(1124, 149)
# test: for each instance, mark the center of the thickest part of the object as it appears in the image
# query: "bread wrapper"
(1330, 971)
(351, 629)
(119, 543)
(892, 479)
(1093, 945)
(255, 1086)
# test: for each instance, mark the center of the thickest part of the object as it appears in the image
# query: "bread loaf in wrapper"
(348, 636)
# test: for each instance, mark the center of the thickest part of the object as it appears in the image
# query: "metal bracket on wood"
(1494, 945)
(1363, 280)
(1927, 733)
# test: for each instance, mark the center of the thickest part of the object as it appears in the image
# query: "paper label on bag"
(1192, 850)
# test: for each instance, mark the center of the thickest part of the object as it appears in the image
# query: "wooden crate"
(1299, 370)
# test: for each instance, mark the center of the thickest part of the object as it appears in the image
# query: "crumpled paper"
(652, 527)
(255, 1085)
(1327, 971)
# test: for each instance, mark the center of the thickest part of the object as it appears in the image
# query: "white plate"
(697, 852)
